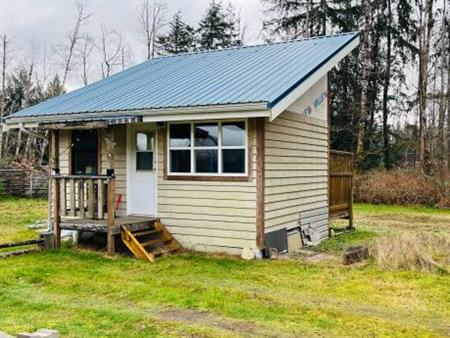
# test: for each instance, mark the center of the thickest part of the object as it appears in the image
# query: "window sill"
(217, 178)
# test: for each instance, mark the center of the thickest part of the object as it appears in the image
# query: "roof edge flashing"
(249, 109)
(278, 105)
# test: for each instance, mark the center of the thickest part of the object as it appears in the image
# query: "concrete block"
(49, 239)
(41, 333)
(5, 335)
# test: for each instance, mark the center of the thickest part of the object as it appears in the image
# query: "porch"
(91, 165)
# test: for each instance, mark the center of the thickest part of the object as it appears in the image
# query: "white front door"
(141, 170)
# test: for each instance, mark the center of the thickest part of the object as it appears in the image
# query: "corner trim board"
(260, 177)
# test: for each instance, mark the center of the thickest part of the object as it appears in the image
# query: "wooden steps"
(149, 240)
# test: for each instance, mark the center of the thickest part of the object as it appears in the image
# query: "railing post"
(110, 222)
(56, 215)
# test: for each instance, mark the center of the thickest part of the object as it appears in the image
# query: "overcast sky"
(36, 25)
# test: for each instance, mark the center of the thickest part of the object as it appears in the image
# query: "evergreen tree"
(180, 38)
(218, 28)
(54, 88)
(387, 52)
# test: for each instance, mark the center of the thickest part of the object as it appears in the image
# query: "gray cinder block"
(41, 333)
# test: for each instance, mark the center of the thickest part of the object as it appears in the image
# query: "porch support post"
(54, 169)
(110, 221)
(260, 155)
(56, 215)
(111, 193)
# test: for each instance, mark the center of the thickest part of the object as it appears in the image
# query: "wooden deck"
(82, 224)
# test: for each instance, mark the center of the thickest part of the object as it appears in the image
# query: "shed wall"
(209, 215)
(296, 173)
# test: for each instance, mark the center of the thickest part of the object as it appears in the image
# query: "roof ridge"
(252, 46)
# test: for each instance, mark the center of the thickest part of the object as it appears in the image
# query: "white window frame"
(219, 148)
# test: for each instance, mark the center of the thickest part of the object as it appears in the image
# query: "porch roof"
(256, 76)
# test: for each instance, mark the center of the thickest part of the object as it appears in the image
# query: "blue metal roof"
(252, 74)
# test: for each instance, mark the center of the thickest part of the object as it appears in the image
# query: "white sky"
(34, 26)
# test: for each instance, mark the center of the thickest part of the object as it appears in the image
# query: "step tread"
(164, 250)
(145, 232)
(154, 241)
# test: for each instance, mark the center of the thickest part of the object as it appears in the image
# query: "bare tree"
(74, 37)
(365, 57)
(126, 56)
(110, 47)
(152, 20)
(84, 51)
(442, 73)
(425, 27)
(4, 51)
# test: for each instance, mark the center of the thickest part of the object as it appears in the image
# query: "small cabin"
(226, 150)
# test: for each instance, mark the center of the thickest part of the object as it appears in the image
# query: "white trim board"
(295, 94)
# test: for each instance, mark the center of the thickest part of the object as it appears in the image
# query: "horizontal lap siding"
(209, 215)
(296, 172)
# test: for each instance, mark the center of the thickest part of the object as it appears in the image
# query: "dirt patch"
(195, 317)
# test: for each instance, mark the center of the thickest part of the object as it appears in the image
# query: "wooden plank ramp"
(149, 241)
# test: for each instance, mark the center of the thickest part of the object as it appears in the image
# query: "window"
(144, 151)
(84, 152)
(209, 148)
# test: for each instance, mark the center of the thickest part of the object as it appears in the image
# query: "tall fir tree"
(218, 28)
(54, 88)
(390, 49)
(180, 38)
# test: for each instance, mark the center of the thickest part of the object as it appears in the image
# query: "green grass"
(395, 209)
(16, 213)
(85, 294)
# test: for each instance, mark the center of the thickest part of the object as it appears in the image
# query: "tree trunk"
(3, 89)
(19, 141)
(387, 77)
(425, 26)
(443, 103)
(448, 104)
(323, 8)
(365, 78)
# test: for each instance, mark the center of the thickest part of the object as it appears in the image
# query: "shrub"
(411, 251)
(402, 187)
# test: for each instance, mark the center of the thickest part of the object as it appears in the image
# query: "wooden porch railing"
(84, 196)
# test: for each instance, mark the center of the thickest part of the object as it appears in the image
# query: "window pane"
(206, 161)
(180, 135)
(144, 160)
(233, 161)
(143, 142)
(180, 161)
(233, 134)
(84, 152)
(206, 135)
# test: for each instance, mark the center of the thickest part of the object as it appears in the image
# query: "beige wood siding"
(209, 215)
(120, 162)
(296, 172)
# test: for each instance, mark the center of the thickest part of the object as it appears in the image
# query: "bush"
(411, 251)
(402, 187)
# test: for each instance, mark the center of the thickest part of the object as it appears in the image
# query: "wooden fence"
(20, 182)
(340, 187)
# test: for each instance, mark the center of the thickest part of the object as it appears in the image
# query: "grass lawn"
(85, 294)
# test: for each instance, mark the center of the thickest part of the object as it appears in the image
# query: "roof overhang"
(282, 103)
(229, 111)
